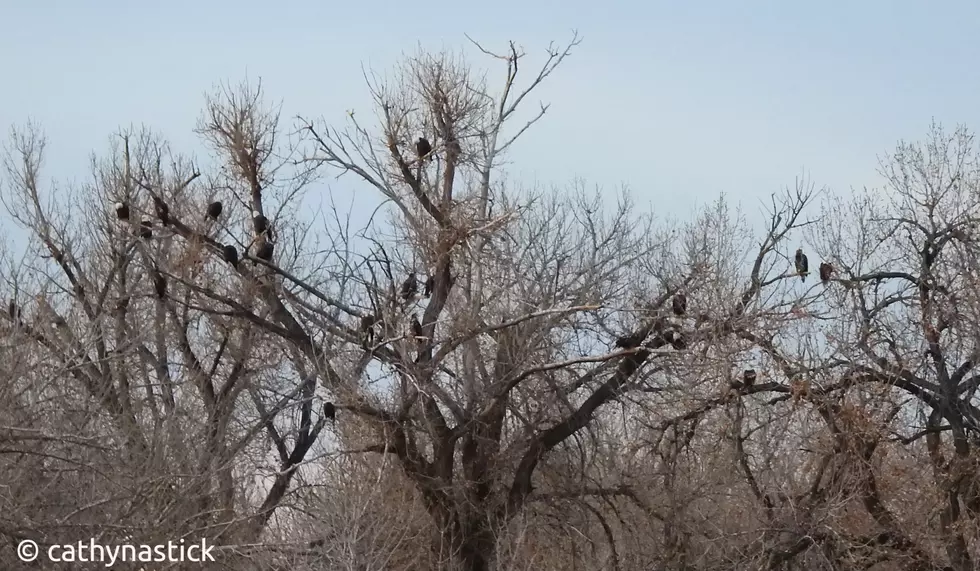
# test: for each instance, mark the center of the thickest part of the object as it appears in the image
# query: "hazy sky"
(680, 101)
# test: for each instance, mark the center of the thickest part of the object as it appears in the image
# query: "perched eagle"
(802, 264)
(264, 251)
(214, 210)
(417, 328)
(367, 330)
(160, 284)
(423, 147)
(410, 286)
(825, 271)
(679, 304)
(230, 254)
(679, 342)
(330, 411)
(162, 210)
(630, 341)
(260, 222)
(14, 311)
(146, 227)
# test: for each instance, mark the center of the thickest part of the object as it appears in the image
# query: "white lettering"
(92, 552)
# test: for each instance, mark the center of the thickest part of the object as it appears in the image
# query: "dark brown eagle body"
(630, 341)
(423, 147)
(230, 254)
(162, 210)
(679, 304)
(214, 210)
(410, 286)
(802, 264)
(264, 251)
(159, 285)
(825, 271)
(146, 228)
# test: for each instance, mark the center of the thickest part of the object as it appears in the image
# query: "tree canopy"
(484, 376)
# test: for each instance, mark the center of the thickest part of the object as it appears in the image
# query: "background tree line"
(485, 376)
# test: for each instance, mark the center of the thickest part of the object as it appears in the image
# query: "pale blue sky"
(685, 100)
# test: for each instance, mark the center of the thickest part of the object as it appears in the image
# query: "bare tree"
(505, 358)
(152, 373)
(485, 376)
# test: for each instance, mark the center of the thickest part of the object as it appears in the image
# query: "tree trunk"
(473, 558)
(474, 546)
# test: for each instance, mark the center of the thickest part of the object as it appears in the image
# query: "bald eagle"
(330, 411)
(260, 222)
(410, 286)
(749, 376)
(14, 312)
(162, 210)
(159, 284)
(430, 283)
(146, 227)
(214, 210)
(230, 255)
(264, 251)
(825, 271)
(679, 304)
(367, 330)
(679, 342)
(423, 147)
(122, 211)
(417, 328)
(630, 341)
(802, 264)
